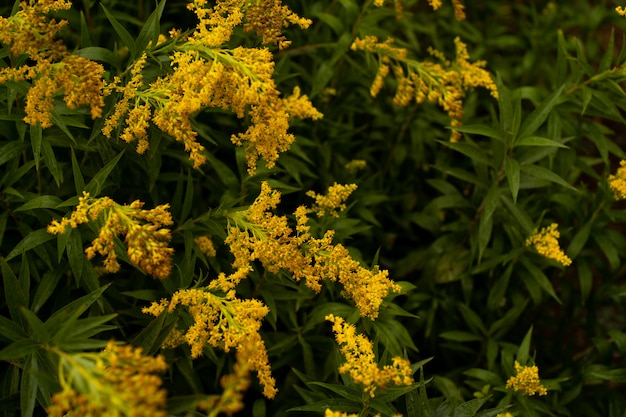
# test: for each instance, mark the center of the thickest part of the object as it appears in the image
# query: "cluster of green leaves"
(449, 220)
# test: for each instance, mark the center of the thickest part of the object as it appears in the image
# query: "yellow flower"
(333, 201)
(444, 83)
(119, 381)
(361, 363)
(145, 239)
(504, 415)
(226, 323)
(617, 182)
(547, 244)
(356, 165)
(526, 380)
(257, 234)
(51, 68)
(621, 10)
(205, 244)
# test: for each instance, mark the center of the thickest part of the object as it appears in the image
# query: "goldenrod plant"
(333, 208)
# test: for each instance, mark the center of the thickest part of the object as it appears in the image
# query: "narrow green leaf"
(579, 240)
(31, 241)
(537, 277)
(38, 330)
(28, 386)
(335, 404)
(484, 233)
(540, 114)
(475, 153)
(523, 352)
(472, 319)
(539, 141)
(96, 53)
(85, 39)
(39, 202)
(188, 200)
(11, 330)
(471, 407)
(18, 350)
(95, 185)
(11, 150)
(609, 250)
(585, 280)
(79, 181)
(46, 287)
(151, 28)
(545, 174)
(485, 376)
(75, 253)
(51, 162)
(75, 307)
(512, 171)
(482, 130)
(13, 292)
(36, 139)
(460, 336)
(153, 335)
(127, 39)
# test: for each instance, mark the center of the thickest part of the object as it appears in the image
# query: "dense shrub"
(330, 207)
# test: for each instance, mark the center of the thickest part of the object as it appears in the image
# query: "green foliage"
(449, 220)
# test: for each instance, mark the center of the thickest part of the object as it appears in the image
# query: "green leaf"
(11, 150)
(39, 332)
(36, 140)
(539, 141)
(151, 28)
(95, 185)
(126, 38)
(545, 174)
(470, 408)
(609, 250)
(13, 291)
(512, 171)
(11, 330)
(482, 130)
(485, 376)
(585, 280)
(475, 153)
(537, 277)
(32, 240)
(539, 115)
(579, 240)
(460, 336)
(96, 53)
(152, 336)
(74, 308)
(46, 287)
(51, 162)
(28, 386)
(79, 181)
(18, 350)
(523, 351)
(39, 202)
(472, 319)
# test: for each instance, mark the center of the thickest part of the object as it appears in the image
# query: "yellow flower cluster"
(459, 7)
(504, 415)
(444, 83)
(526, 380)
(334, 200)
(205, 75)
(547, 244)
(226, 323)
(205, 244)
(621, 10)
(260, 235)
(146, 240)
(361, 363)
(51, 68)
(119, 381)
(617, 182)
